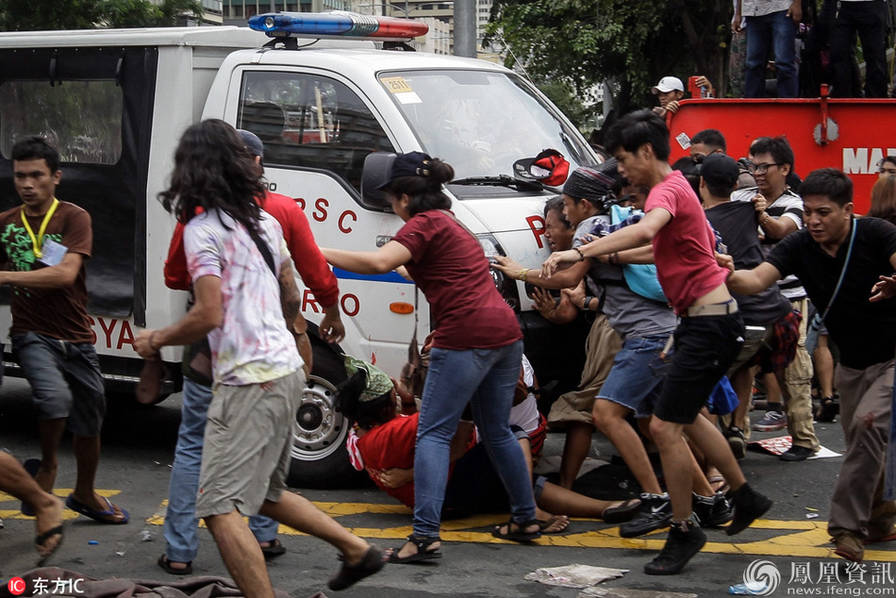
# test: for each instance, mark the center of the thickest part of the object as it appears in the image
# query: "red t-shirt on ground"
(309, 261)
(684, 249)
(391, 445)
(448, 265)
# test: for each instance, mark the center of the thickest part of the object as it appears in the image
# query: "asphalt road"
(137, 450)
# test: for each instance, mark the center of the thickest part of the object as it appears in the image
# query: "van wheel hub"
(320, 429)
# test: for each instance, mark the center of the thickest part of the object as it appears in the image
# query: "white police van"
(322, 91)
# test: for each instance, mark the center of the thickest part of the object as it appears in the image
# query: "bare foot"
(48, 525)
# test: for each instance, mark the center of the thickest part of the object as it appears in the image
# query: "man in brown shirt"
(44, 243)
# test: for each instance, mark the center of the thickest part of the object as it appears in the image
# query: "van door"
(317, 128)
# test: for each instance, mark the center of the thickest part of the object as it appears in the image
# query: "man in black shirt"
(860, 314)
(768, 314)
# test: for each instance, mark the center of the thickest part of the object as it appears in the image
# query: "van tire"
(319, 456)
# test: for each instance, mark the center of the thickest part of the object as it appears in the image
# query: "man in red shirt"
(707, 339)
(182, 544)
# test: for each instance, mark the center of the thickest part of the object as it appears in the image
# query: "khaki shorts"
(248, 437)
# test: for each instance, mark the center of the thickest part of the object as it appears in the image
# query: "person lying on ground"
(383, 445)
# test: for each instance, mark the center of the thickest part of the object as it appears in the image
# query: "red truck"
(851, 134)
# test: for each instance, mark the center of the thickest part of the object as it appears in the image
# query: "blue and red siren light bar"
(337, 24)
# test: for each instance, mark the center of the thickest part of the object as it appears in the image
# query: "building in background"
(237, 12)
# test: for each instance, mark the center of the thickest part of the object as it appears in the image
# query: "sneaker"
(712, 511)
(796, 453)
(849, 546)
(655, 513)
(749, 505)
(736, 441)
(771, 421)
(681, 546)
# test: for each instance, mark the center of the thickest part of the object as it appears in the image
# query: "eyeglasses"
(884, 170)
(761, 168)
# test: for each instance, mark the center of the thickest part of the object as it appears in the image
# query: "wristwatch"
(587, 301)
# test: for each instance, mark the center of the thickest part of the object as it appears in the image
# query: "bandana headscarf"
(378, 381)
(589, 184)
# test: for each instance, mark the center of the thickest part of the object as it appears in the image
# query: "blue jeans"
(486, 378)
(772, 31)
(180, 518)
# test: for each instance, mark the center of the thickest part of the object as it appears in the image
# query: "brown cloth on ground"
(206, 586)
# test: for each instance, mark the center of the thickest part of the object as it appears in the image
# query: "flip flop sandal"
(273, 549)
(31, 466)
(424, 552)
(621, 513)
(165, 564)
(39, 540)
(348, 575)
(518, 535)
(560, 523)
(100, 516)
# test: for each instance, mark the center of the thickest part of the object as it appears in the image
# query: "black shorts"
(705, 347)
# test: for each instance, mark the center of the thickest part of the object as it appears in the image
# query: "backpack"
(640, 278)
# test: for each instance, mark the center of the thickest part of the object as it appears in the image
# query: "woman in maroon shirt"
(476, 349)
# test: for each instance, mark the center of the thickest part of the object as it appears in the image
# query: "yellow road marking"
(800, 538)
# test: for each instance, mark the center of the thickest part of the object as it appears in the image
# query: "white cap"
(668, 84)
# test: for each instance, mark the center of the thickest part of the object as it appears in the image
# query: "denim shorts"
(636, 378)
(705, 347)
(66, 381)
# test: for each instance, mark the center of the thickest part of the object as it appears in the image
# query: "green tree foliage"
(29, 15)
(633, 44)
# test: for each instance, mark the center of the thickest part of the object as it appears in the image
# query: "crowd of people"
(700, 279)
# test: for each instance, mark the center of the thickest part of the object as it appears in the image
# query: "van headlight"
(506, 286)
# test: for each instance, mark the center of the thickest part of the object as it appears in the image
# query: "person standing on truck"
(846, 265)
(247, 304)
(780, 212)
(868, 19)
(707, 338)
(182, 543)
(45, 242)
(477, 344)
(771, 29)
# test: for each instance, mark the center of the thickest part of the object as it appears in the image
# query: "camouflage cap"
(378, 381)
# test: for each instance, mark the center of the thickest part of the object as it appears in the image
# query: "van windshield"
(481, 122)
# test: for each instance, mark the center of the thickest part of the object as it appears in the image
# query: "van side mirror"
(375, 175)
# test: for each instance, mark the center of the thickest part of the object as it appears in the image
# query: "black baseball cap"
(720, 169)
(252, 142)
(381, 168)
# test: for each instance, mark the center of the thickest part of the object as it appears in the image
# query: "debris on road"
(574, 576)
(627, 593)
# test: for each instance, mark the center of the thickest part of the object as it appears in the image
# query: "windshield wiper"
(502, 180)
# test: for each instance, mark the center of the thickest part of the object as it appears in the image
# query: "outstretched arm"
(749, 282)
(385, 259)
(630, 237)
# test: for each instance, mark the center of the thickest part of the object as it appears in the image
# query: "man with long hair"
(247, 303)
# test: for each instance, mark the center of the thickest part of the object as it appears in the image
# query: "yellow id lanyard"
(38, 242)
